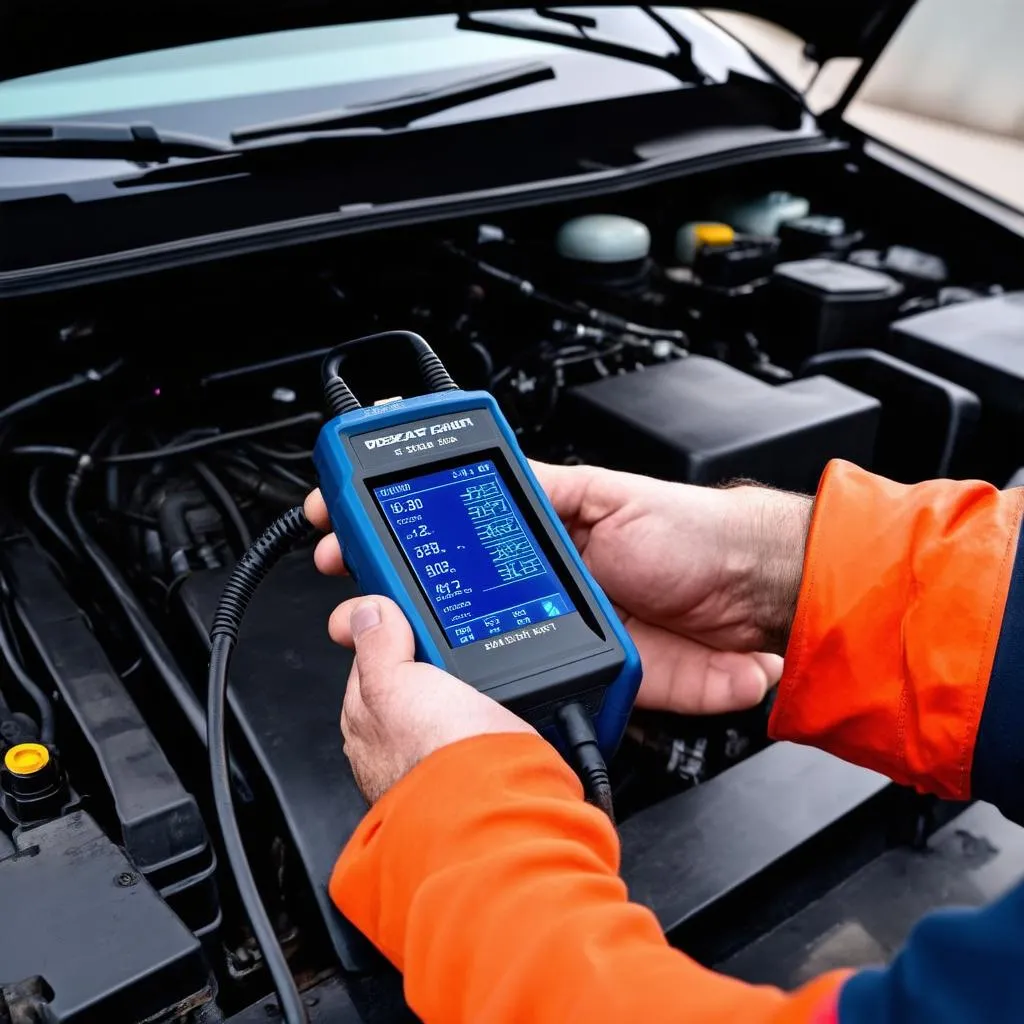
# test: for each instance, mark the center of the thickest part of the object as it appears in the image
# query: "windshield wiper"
(679, 64)
(141, 143)
(401, 111)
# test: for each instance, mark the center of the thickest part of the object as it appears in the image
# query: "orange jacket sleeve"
(485, 878)
(904, 605)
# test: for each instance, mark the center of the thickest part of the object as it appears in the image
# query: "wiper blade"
(401, 111)
(679, 64)
(141, 143)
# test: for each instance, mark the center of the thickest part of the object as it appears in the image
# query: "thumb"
(383, 641)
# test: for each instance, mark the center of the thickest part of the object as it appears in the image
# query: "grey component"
(603, 238)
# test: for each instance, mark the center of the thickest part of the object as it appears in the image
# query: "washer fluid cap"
(603, 238)
(691, 237)
(26, 759)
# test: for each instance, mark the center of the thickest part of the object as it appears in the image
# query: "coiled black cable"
(288, 530)
(340, 399)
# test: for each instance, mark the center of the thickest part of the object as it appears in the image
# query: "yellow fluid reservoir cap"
(26, 758)
(694, 236)
(715, 234)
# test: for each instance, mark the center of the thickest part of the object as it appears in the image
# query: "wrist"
(772, 528)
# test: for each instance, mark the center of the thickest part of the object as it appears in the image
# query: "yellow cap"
(26, 758)
(714, 234)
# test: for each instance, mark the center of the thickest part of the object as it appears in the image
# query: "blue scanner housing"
(527, 624)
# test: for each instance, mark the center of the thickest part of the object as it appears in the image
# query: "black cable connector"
(585, 755)
(279, 538)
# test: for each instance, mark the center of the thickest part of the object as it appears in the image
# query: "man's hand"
(704, 579)
(397, 710)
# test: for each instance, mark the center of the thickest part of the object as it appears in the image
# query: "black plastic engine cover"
(158, 820)
(701, 421)
(78, 917)
(978, 344)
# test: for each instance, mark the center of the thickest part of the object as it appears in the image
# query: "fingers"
(566, 487)
(381, 636)
(686, 677)
(584, 495)
(327, 556)
(316, 510)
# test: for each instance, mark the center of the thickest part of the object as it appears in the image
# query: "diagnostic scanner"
(436, 507)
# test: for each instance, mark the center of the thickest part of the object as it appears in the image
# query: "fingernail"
(365, 616)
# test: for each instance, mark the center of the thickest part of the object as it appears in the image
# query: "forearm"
(770, 529)
(904, 601)
(490, 883)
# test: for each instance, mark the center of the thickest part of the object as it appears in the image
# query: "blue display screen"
(475, 558)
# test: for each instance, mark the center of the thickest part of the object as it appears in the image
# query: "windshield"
(290, 73)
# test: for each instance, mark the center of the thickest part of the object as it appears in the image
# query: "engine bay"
(749, 325)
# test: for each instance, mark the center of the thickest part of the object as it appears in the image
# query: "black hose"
(174, 528)
(56, 450)
(279, 455)
(36, 501)
(290, 476)
(152, 643)
(228, 506)
(71, 384)
(258, 560)
(34, 692)
(172, 450)
(264, 489)
(216, 441)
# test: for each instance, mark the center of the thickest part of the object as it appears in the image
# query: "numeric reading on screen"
(472, 552)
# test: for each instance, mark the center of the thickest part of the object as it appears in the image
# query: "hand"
(704, 579)
(397, 710)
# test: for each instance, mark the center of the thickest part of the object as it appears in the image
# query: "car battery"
(701, 421)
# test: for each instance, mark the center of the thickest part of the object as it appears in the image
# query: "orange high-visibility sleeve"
(485, 878)
(897, 624)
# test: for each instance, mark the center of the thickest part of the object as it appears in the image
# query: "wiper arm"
(401, 111)
(679, 64)
(96, 141)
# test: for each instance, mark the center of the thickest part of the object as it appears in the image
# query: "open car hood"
(41, 35)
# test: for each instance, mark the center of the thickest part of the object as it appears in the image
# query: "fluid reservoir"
(604, 246)
(764, 215)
